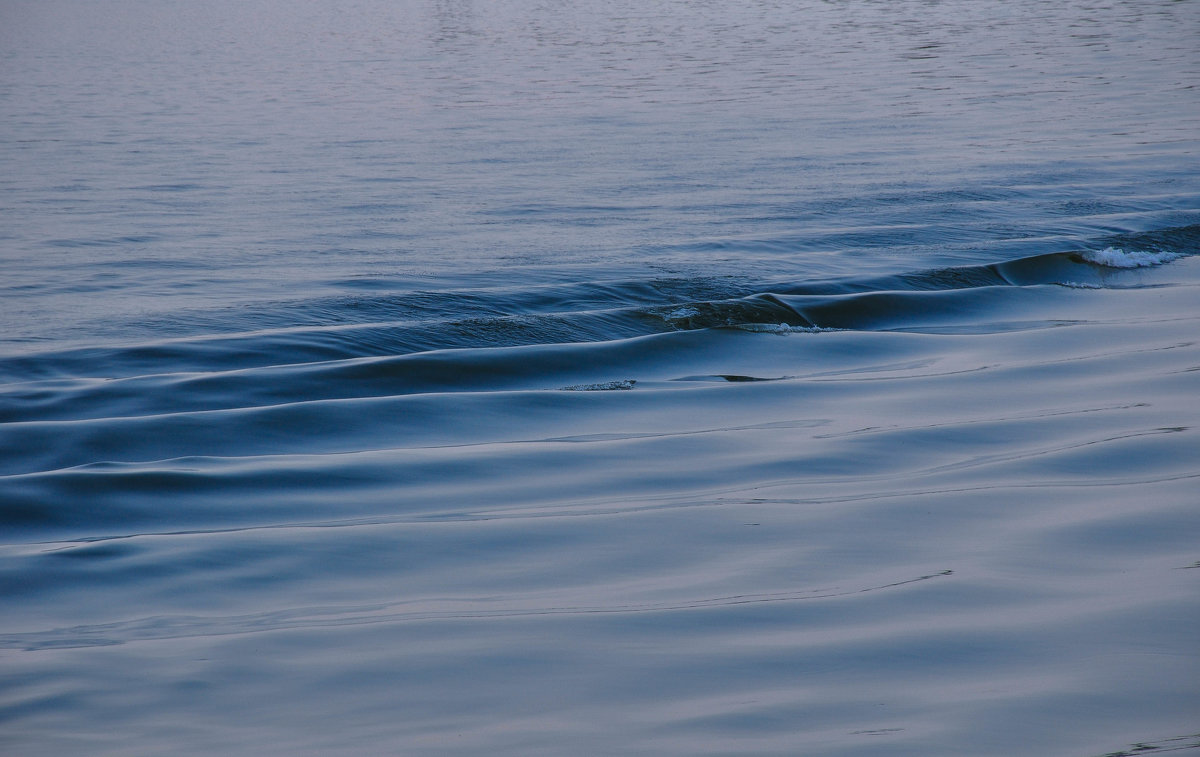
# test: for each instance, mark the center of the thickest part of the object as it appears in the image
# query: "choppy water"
(668, 378)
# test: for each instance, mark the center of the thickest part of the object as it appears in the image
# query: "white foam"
(682, 313)
(782, 328)
(606, 386)
(1115, 257)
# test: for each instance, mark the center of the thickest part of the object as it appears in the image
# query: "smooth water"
(665, 378)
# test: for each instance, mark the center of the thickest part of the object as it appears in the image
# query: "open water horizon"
(676, 378)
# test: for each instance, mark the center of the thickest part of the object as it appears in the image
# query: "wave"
(312, 396)
(411, 322)
(407, 320)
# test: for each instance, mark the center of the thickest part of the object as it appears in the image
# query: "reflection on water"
(675, 378)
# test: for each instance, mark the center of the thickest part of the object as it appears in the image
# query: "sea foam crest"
(782, 328)
(1115, 257)
(604, 386)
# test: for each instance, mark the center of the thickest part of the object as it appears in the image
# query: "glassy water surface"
(448, 377)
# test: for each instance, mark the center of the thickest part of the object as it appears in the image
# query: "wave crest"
(1116, 257)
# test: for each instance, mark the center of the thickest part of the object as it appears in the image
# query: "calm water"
(666, 378)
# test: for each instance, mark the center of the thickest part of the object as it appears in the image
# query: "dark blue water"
(664, 378)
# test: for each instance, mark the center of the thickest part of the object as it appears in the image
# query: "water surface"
(648, 378)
